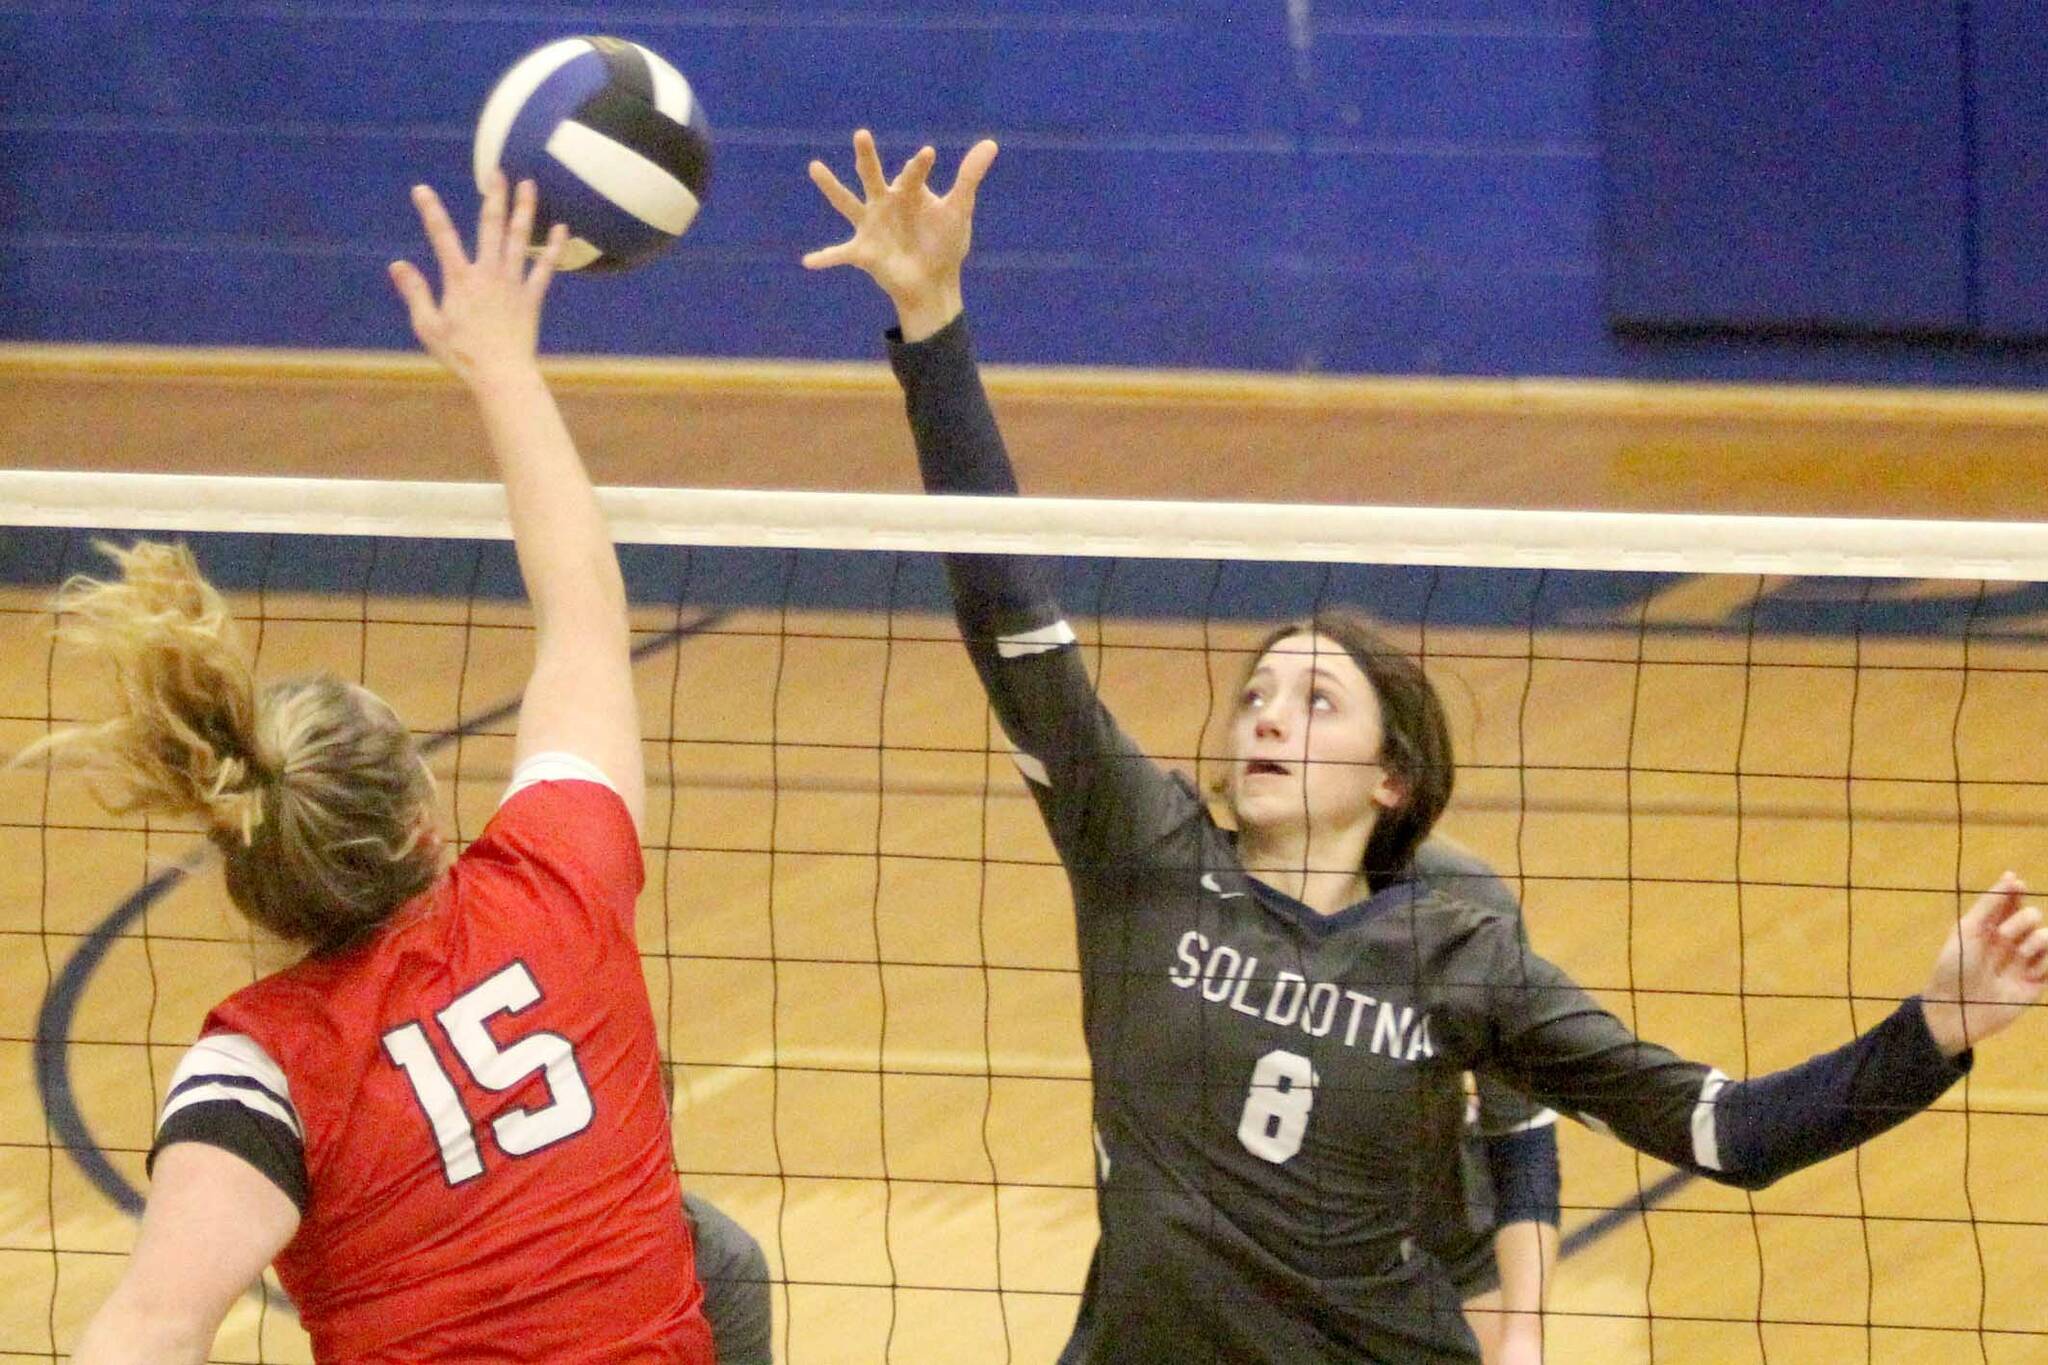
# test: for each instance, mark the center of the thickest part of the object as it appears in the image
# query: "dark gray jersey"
(1446, 866)
(1278, 1094)
(739, 1298)
(1507, 1160)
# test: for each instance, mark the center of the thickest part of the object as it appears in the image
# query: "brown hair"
(312, 789)
(1415, 735)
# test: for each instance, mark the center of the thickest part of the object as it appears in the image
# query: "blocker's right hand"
(487, 322)
(1993, 968)
(909, 240)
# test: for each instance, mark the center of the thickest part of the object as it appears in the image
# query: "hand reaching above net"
(910, 240)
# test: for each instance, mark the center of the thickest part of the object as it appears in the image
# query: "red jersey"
(476, 1091)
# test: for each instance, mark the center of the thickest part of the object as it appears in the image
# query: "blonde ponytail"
(312, 790)
(182, 741)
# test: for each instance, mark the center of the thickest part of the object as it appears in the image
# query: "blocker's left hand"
(487, 321)
(1993, 967)
(908, 238)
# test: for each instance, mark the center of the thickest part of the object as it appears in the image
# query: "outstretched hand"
(1993, 967)
(910, 240)
(487, 321)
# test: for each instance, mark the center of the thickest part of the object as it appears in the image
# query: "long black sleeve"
(1100, 796)
(1776, 1124)
(1555, 1043)
(1518, 1138)
(960, 450)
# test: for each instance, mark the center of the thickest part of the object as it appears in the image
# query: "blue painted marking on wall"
(1406, 186)
(1786, 165)
(2008, 53)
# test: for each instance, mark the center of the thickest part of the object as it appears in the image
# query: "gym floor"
(860, 949)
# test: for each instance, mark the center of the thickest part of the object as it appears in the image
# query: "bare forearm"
(124, 1332)
(1527, 1256)
(565, 548)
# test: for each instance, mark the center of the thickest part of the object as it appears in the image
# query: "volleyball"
(613, 138)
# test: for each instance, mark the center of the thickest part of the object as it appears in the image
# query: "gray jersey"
(738, 1295)
(1461, 1234)
(1278, 1094)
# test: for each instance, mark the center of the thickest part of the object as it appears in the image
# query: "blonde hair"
(312, 789)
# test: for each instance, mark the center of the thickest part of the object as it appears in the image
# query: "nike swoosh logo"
(1209, 883)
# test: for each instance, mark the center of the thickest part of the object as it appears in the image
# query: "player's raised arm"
(1991, 969)
(1093, 785)
(485, 327)
(1563, 1047)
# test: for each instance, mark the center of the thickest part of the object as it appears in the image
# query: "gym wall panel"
(1114, 78)
(1106, 204)
(1452, 88)
(2009, 87)
(1075, 203)
(1400, 185)
(1184, 74)
(1476, 211)
(209, 69)
(1773, 165)
(1453, 13)
(1219, 314)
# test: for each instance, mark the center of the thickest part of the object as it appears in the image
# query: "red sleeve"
(574, 840)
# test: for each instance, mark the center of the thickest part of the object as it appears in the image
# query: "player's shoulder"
(558, 806)
(289, 1015)
(1455, 924)
(558, 795)
(304, 984)
(1464, 877)
(319, 995)
(1452, 905)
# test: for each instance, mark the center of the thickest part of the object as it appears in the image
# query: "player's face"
(1305, 741)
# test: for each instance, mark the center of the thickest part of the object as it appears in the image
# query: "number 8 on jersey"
(1283, 1090)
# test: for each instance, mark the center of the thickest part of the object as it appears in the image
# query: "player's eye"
(1322, 700)
(1251, 699)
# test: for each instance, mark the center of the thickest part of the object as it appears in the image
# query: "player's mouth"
(1265, 767)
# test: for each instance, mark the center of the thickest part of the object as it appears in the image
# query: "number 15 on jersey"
(520, 1132)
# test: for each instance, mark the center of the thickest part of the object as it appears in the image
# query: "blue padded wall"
(2009, 48)
(1786, 165)
(1407, 186)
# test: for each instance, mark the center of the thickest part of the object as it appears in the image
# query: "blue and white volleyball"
(613, 138)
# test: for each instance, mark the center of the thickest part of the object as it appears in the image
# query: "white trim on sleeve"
(248, 1099)
(242, 1058)
(232, 1054)
(1028, 642)
(1545, 1118)
(554, 766)
(1032, 768)
(1706, 1142)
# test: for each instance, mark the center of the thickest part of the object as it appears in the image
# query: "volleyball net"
(1739, 770)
